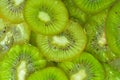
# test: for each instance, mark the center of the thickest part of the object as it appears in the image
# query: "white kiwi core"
(43, 16)
(60, 40)
(18, 2)
(81, 75)
(20, 33)
(102, 40)
(21, 71)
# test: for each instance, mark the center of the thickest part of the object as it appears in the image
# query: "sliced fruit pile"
(59, 39)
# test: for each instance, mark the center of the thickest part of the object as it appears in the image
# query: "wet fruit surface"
(59, 40)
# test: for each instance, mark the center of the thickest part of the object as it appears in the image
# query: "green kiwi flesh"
(113, 29)
(111, 74)
(20, 62)
(65, 45)
(75, 12)
(12, 10)
(46, 17)
(21, 33)
(85, 67)
(97, 44)
(93, 6)
(11, 34)
(6, 38)
(115, 63)
(33, 37)
(50, 73)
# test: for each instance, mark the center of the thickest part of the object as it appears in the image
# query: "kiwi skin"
(17, 55)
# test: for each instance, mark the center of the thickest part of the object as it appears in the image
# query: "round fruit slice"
(113, 28)
(75, 12)
(115, 63)
(12, 10)
(86, 67)
(46, 17)
(50, 73)
(111, 74)
(93, 6)
(6, 37)
(21, 61)
(13, 34)
(97, 44)
(21, 33)
(65, 45)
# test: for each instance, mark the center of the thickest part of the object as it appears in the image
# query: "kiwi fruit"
(21, 33)
(32, 40)
(6, 37)
(46, 17)
(11, 34)
(97, 44)
(75, 12)
(111, 74)
(64, 46)
(113, 28)
(85, 67)
(12, 10)
(115, 63)
(50, 73)
(93, 6)
(20, 62)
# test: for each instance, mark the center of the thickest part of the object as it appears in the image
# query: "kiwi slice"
(6, 38)
(93, 6)
(32, 40)
(12, 10)
(115, 63)
(75, 12)
(85, 67)
(48, 74)
(46, 17)
(11, 34)
(97, 44)
(113, 28)
(111, 74)
(65, 45)
(20, 62)
(21, 33)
